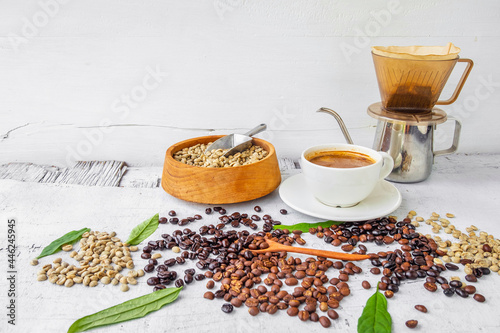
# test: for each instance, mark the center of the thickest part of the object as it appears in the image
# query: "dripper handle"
(461, 83)
(456, 139)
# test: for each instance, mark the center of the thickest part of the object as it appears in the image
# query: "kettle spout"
(340, 121)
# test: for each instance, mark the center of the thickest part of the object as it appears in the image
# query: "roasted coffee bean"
(365, 285)
(441, 280)
(432, 273)
(450, 266)
(218, 293)
(208, 210)
(253, 310)
(421, 308)
(461, 292)
(292, 311)
(170, 262)
(471, 278)
(282, 305)
(303, 315)
(188, 278)
(179, 283)
(470, 289)
(411, 323)
(210, 284)
(455, 284)
(343, 277)
(216, 209)
(257, 209)
(449, 291)
(480, 298)
(347, 247)
(393, 287)
(325, 322)
(149, 268)
(388, 293)
(255, 218)
(199, 277)
(333, 314)
(486, 270)
(172, 213)
(311, 307)
(173, 220)
(153, 281)
(375, 270)
(209, 295)
(284, 212)
(227, 308)
(478, 272)
(250, 302)
(430, 286)
(145, 255)
(236, 302)
(180, 260)
(291, 281)
(272, 309)
(486, 248)
(314, 317)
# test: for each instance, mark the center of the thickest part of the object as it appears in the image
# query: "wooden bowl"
(220, 185)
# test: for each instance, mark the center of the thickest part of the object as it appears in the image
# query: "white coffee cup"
(344, 187)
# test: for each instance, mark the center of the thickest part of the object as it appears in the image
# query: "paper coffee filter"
(417, 52)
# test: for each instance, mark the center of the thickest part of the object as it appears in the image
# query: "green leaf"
(68, 238)
(375, 318)
(143, 230)
(304, 227)
(132, 309)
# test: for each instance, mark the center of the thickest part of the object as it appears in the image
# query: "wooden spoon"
(278, 247)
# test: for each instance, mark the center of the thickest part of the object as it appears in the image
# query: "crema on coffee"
(340, 159)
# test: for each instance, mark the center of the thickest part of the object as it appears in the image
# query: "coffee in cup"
(342, 175)
(340, 159)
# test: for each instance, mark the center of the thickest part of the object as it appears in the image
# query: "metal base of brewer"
(408, 138)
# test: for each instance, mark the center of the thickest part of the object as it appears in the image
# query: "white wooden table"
(465, 185)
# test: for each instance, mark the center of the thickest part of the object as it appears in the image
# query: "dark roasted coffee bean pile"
(414, 260)
(258, 281)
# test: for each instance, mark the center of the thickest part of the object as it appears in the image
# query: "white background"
(67, 67)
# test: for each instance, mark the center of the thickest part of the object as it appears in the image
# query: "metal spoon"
(236, 142)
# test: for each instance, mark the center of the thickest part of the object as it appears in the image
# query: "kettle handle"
(456, 138)
(461, 83)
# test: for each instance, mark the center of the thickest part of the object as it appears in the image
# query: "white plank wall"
(123, 80)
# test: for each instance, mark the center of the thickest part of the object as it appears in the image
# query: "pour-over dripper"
(410, 83)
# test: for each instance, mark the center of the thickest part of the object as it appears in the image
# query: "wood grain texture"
(256, 61)
(220, 185)
(90, 173)
(465, 185)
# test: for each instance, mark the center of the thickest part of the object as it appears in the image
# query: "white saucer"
(384, 199)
